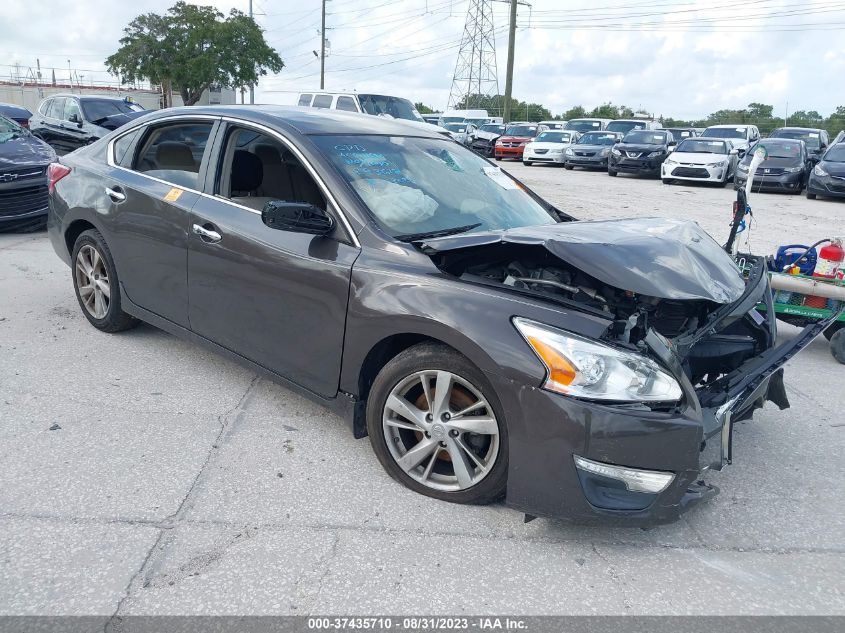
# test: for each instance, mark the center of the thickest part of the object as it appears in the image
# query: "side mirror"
(740, 152)
(734, 152)
(74, 118)
(298, 217)
(671, 143)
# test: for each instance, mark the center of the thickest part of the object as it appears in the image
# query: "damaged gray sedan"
(488, 344)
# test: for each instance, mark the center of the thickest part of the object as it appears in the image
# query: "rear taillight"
(55, 172)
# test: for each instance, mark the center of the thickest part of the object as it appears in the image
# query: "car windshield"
(98, 109)
(724, 132)
(456, 127)
(836, 154)
(420, 185)
(624, 126)
(679, 134)
(497, 129)
(782, 149)
(395, 107)
(585, 125)
(521, 130)
(696, 146)
(645, 137)
(554, 137)
(9, 129)
(597, 138)
(809, 137)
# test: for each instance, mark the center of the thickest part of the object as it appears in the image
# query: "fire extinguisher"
(828, 263)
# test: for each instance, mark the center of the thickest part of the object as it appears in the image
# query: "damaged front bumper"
(550, 432)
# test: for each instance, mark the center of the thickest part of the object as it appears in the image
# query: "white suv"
(742, 136)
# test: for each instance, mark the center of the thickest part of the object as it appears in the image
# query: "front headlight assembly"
(818, 170)
(717, 163)
(604, 152)
(582, 368)
(656, 154)
(616, 152)
(570, 152)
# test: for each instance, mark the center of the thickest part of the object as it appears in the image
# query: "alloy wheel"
(441, 430)
(92, 281)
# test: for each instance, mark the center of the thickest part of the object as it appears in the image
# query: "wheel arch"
(74, 230)
(378, 355)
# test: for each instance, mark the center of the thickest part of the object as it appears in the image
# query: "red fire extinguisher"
(828, 263)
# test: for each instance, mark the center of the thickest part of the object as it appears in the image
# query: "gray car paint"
(396, 297)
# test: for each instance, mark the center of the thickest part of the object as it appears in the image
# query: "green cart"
(790, 308)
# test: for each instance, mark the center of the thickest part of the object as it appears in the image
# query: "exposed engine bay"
(718, 342)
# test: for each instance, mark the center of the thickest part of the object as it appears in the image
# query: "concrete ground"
(142, 475)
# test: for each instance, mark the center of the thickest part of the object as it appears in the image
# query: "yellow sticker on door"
(173, 195)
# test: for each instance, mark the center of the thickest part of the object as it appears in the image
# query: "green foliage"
(765, 118)
(191, 48)
(423, 108)
(520, 110)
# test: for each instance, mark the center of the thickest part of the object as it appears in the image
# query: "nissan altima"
(487, 343)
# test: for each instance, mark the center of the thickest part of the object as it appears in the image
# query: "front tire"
(436, 426)
(811, 196)
(96, 284)
(667, 181)
(612, 172)
(569, 167)
(837, 345)
(527, 163)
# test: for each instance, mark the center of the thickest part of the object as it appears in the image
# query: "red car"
(511, 144)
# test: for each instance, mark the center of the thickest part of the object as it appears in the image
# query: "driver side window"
(72, 110)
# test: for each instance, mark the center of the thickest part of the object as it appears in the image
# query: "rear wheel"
(612, 172)
(833, 328)
(436, 426)
(498, 158)
(96, 284)
(837, 346)
(570, 167)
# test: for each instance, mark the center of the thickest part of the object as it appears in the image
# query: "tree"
(423, 108)
(192, 48)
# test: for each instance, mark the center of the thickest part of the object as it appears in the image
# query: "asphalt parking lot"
(140, 474)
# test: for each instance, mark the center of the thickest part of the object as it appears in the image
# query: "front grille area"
(690, 172)
(540, 151)
(21, 173)
(585, 153)
(771, 171)
(22, 200)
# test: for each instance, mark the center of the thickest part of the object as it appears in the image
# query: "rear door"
(155, 173)
(71, 130)
(276, 297)
(51, 125)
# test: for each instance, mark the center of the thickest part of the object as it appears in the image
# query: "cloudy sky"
(680, 58)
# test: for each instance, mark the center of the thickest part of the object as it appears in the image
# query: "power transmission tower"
(475, 71)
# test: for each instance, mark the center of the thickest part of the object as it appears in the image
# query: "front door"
(154, 184)
(275, 297)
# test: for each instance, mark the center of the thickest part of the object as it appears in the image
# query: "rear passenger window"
(346, 103)
(322, 101)
(173, 152)
(304, 100)
(121, 148)
(44, 108)
(57, 108)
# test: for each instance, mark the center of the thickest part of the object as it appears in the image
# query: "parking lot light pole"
(509, 73)
(323, 47)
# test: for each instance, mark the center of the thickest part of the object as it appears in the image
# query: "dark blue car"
(23, 177)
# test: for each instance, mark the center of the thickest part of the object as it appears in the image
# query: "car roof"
(306, 120)
(15, 108)
(86, 97)
(798, 129)
(729, 125)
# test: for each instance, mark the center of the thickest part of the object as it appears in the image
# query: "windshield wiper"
(414, 237)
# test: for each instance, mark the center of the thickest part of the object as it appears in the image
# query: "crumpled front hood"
(657, 257)
(639, 147)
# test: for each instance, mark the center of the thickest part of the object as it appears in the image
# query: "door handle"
(207, 235)
(115, 194)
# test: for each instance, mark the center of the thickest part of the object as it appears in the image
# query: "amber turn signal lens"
(560, 369)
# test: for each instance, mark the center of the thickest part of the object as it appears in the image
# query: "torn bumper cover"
(632, 463)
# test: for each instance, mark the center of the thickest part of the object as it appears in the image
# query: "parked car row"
(721, 154)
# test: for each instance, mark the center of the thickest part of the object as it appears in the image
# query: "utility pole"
(509, 71)
(323, 47)
(251, 87)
